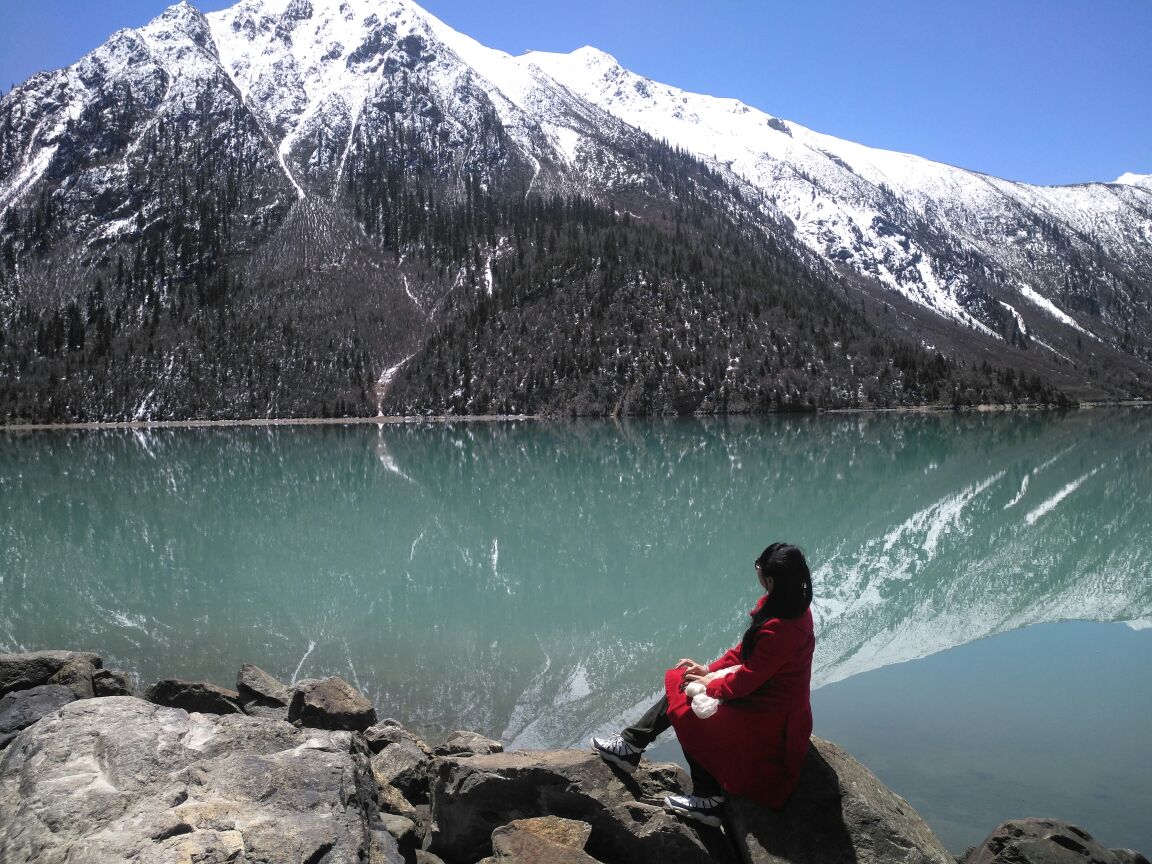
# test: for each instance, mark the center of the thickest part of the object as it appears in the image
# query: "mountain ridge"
(404, 125)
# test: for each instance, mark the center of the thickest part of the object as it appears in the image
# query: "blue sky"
(1045, 91)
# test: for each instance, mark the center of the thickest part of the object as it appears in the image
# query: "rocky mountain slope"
(289, 208)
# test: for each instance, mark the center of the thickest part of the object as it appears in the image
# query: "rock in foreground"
(542, 840)
(121, 779)
(474, 795)
(86, 779)
(1046, 841)
(840, 812)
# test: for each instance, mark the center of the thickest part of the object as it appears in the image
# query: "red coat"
(755, 743)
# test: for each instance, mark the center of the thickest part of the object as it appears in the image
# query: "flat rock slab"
(119, 779)
(473, 796)
(1044, 841)
(23, 671)
(840, 812)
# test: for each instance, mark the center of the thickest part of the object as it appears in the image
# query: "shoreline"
(412, 419)
(214, 769)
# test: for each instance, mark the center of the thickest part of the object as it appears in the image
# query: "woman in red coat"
(755, 743)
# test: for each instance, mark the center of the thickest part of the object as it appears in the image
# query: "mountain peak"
(594, 56)
(182, 18)
(1128, 178)
(592, 61)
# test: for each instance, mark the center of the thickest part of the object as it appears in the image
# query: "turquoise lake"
(983, 601)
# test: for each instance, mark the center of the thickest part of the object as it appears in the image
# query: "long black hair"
(791, 593)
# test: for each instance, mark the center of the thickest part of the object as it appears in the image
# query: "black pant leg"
(703, 784)
(644, 731)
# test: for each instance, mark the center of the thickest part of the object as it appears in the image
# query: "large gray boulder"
(24, 671)
(474, 795)
(330, 703)
(839, 812)
(21, 708)
(1045, 841)
(121, 779)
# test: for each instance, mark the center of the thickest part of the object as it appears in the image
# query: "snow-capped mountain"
(902, 220)
(304, 158)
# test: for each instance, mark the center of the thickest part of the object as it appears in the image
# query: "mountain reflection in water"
(531, 580)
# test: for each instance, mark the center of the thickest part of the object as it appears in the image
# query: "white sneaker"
(616, 751)
(706, 810)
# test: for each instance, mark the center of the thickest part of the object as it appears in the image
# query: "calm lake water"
(532, 580)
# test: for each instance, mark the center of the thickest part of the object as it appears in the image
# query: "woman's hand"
(691, 668)
(692, 678)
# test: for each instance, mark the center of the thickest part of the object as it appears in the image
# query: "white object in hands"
(703, 705)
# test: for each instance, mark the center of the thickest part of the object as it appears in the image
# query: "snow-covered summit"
(1130, 179)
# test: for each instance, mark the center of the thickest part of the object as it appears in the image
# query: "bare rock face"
(839, 812)
(1045, 841)
(542, 840)
(473, 796)
(24, 671)
(121, 779)
(468, 744)
(194, 696)
(21, 708)
(331, 703)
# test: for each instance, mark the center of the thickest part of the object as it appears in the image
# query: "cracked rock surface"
(124, 779)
